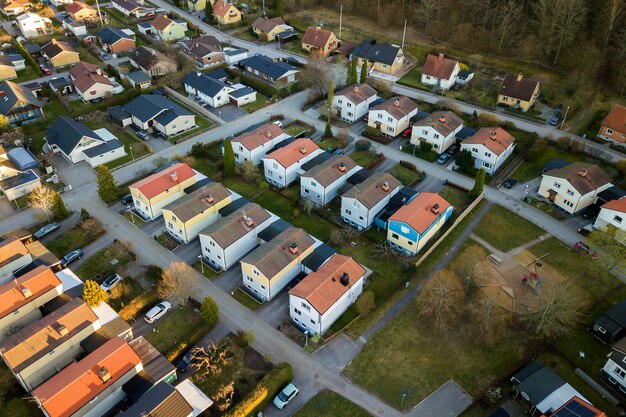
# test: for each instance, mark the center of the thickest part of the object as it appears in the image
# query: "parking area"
(156, 142)
(228, 112)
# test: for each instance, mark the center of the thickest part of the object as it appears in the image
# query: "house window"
(240, 148)
(424, 132)
(340, 101)
(275, 165)
(570, 192)
(249, 279)
(436, 136)
(621, 374)
(557, 185)
(306, 307)
(212, 243)
(298, 312)
(568, 203)
(349, 104)
(256, 272)
(360, 217)
(313, 184)
(380, 116)
(488, 154)
(474, 150)
(390, 119)
(617, 219)
(389, 129)
(174, 218)
(410, 242)
(404, 230)
(263, 286)
(312, 321)
(395, 236)
(170, 225)
(609, 131)
(486, 164)
(306, 191)
(349, 113)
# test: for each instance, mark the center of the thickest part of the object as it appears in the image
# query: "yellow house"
(197, 5)
(270, 267)
(267, 29)
(319, 42)
(187, 216)
(81, 11)
(226, 13)
(381, 56)
(7, 70)
(153, 193)
(60, 54)
(518, 92)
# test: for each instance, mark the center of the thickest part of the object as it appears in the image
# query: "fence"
(193, 105)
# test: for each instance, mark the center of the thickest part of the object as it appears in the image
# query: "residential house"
(152, 62)
(60, 54)
(76, 28)
(438, 129)
(91, 386)
(32, 25)
(255, 144)
(614, 370)
(226, 13)
(353, 102)
(7, 69)
(611, 325)
(411, 227)
(317, 301)
(76, 142)
(278, 73)
(14, 7)
(393, 116)
(490, 147)
(57, 3)
(162, 400)
(381, 57)
(155, 113)
(19, 185)
(209, 89)
(205, 49)
(41, 349)
(577, 408)
(614, 124)
(156, 191)
(18, 104)
(138, 79)
(90, 81)
(440, 72)
(18, 252)
(232, 56)
(131, 8)
(233, 236)
(81, 12)
(186, 217)
(322, 183)
(361, 203)
(164, 28)
(22, 298)
(612, 213)
(61, 85)
(267, 28)
(319, 42)
(18, 61)
(269, 268)
(518, 92)
(575, 186)
(282, 166)
(116, 41)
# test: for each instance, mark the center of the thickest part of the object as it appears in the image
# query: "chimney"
(342, 167)
(442, 119)
(60, 328)
(293, 248)
(435, 209)
(248, 221)
(209, 199)
(345, 279)
(98, 71)
(440, 56)
(225, 3)
(268, 134)
(3, 93)
(519, 77)
(174, 176)
(26, 292)
(582, 173)
(356, 89)
(303, 150)
(318, 27)
(385, 186)
(104, 374)
(396, 102)
(493, 135)
(199, 74)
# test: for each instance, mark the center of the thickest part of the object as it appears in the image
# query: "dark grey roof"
(33, 86)
(4, 60)
(463, 74)
(15, 57)
(555, 164)
(66, 133)
(528, 370)
(164, 397)
(154, 364)
(232, 52)
(286, 35)
(322, 157)
(32, 48)
(111, 35)
(614, 319)
(318, 257)
(138, 76)
(540, 384)
(199, 184)
(359, 176)
(383, 52)
(105, 147)
(22, 178)
(612, 193)
(203, 83)
(234, 206)
(22, 158)
(13, 94)
(267, 66)
(499, 412)
(273, 230)
(148, 106)
(118, 113)
(59, 83)
(218, 74)
(465, 132)
(404, 196)
(242, 92)
(419, 116)
(379, 100)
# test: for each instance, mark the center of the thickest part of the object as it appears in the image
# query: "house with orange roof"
(91, 386)
(614, 124)
(90, 81)
(156, 191)
(164, 28)
(283, 166)
(612, 213)
(253, 145)
(440, 72)
(319, 42)
(36, 352)
(411, 227)
(226, 13)
(490, 147)
(81, 12)
(317, 301)
(361, 203)
(21, 298)
(13, 256)
(14, 7)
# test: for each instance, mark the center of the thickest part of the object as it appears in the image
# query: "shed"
(318, 257)
(22, 159)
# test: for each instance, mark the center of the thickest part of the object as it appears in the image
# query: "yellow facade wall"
(65, 59)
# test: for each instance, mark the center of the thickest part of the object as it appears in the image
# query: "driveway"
(448, 401)
(227, 113)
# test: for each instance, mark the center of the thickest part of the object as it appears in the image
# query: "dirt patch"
(255, 361)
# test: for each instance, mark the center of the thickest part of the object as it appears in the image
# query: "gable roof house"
(18, 104)
(273, 72)
(20, 254)
(611, 325)
(32, 25)
(7, 69)
(226, 13)
(21, 298)
(267, 28)
(81, 12)
(319, 42)
(161, 401)
(353, 102)
(490, 147)
(156, 113)
(322, 183)
(164, 28)
(283, 166)
(91, 386)
(614, 370)
(269, 268)
(392, 116)
(575, 186)
(253, 145)
(90, 81)
(614, 124)
(440, 72)
(317, 301)
(41, 349)
(14, 7)
(381, 56)
(361, 203)
(439, 129)
(205, 49)
(518, 92)
(208, 89)
(131, 8)
(577, 408)
(116, 41)
(612, 213)
(152, 62)
(60, 54)
(78, 29)
(76, 142)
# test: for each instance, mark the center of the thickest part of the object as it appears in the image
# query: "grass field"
(330, 404)
(404, 175)
(530, 169)
(506, 230)
(112, 257)
(363, 158)
(246, 300)
(73, 238)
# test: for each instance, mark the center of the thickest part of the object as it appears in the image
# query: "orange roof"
(292, 153)
(496, 139)
(617, 205)
(11, 249)
(39, 281)
(616, 119)
(316, 37)
(161, 22)
(439, 66)
(419, 213)
(76, 7)
(73, 387)
(572, 408)
(259, 136)
(323, 288)
(220, 7)
(158, 183)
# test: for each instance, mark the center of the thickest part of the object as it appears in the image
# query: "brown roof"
(582, 176)
(39, 251)
(156, 184)
(195, 203)
(323, 288)
(345, 48)
(398, 107)
(316, 37)
(28, 345)
(76, 7)
(147, 57)
(518, 87)
(233, 227)
(496, 139)
(54, 48)
(220, 7)
(275, 255)
(444, 122)
(203, 45)
(330, 170)
(12, 4)
(357, 93)
(616, 119)
(292, 153)
(266, 25)
(617, 205)
(161, 22)
(11, 249)
(39, 281)
(439, 66)
(86, 75)
(370, 192)
(419, 213)
(257, 137)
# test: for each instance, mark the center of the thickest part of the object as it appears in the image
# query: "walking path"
(487, 246)
(520, 249)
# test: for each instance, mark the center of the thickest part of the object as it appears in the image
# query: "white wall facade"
(388, 124)
(243, 154)
(314, 191)
(357, 215)
(616, 372)
(612, 217)
(486, 158)
(178, 125)
(443, 84)
(428, 133)
(280, 176)
(567, 197)
(350, 112)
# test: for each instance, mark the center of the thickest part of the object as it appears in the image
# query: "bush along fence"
(376, 162)
(263, 87)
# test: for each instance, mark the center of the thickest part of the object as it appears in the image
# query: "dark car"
(47, 229)
(142, 134)
(509, 183)
(185, 363)
(96, 100)
(453, 149)
(556, 118)
(71, 257)
(339, 152)
(105, 56)
(406, 133)
(65, 15)
(591, 212)
(444, 158)
(127, 199)
(366, 118)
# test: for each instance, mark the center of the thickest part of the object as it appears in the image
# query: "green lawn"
(405, 175)
(276, 203)
(506, 230)
(297, 127)
(86, 55)
(331, 143)
(414, 79)
(330, 404)
(532, 168)
(209, 273)
(238, 185)
(130, 142)
(73, 238)
(246, 300)
(260, 102)
(363, 158)
(103, 260)
(315, 225)
(455, 196)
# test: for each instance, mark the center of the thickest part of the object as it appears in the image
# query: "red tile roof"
(292, 153)
(419, 214)
(11, 249)
(259, 136)
(616, 119)
(39, 281)
(76, 7)
(439, 66)
(161, 22)
(316, 37)
(496, 139)
(86, 75)
(73, 387)
(617, 205)
(158, 183)
(220, 7)
(323, 288)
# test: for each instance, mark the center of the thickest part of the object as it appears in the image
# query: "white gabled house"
(283, 166)
(361, 203)
(212, 91)
(439, 129)
(612, 213)
(393, 116)
(321, 183)
(614, 370)
(352, 103)
(440, 72)
(490, 147)
(253, 145)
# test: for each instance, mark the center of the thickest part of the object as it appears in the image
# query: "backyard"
(74, 238)
(114, 256)
(405, 175)
(506, 230)
(330, 404)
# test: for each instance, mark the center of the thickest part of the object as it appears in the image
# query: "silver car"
(285, 396)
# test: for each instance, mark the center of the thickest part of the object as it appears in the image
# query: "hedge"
(362, 145)
(263, 393)
(261, 86)
(408, 165)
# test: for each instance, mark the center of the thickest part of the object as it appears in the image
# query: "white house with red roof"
(353, 102)
(490, 147)
(439, 129)
(440, 71)
(283, 166)
(90, 81)
(612, 213)
(253, 145)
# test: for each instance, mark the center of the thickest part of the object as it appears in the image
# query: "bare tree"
(41, 199)
(177, 283)
(427, 11)
(562, 307)
(224, 396)
(560, 23)
(317, 73)
(509, 14)
(490, 315)
(382, 250)
(612, 14)
(465, 264)
(210, 360)
(249, 172)
(440, 298)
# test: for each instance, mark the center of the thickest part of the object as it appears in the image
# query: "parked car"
(366, 118)
(45, 70)
(285, 396)
(127, 199)
(591, 212)
(509, 183)
(47, 229)
(142, 134)
(339, 152)
(582, 247)
(406, 133)
(110, 282)
(556, 118)
(157, 312)
(65, 15)
(105, 56)
(96, 100)
(71, 257)
(161, 10)
(453, 149)
(185, 363)
(278, 123)
(444, 158)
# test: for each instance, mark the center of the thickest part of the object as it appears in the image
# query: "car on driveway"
(591, 212)
(406, 133)
(453, 149)
(142, 134)
(366, 118)
(96, 100)
(47, 229)
(45, 70)
(71, 257)
(444, 158)
(185, 363)
(339, 152)
(110, 282)
(278, 123)
(105, 56)
(127, 199)
(157, 312)
(556, 118)
(509, 183)
(582, 247)
(285, 396)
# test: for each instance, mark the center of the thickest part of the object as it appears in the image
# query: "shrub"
(93, 294)
(200, 150)
(263, 393)
(577, 147)
(154, 272)
(371, 131)
(209, 311)
(563, 142)
(408, 165)
(362, 145)
(84, 214)
(244, 338)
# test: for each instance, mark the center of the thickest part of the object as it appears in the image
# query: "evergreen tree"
(209, 311)
(328, 132)
(107, 188)
(478, 184)
(4, 123)
(93, 294)
(352, 74)
(229, 159)
(58, 207)
(364, 71)
(465, 160)
(279, 7)
(208, 11)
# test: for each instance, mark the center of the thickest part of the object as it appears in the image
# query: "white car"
(278, 123)
(285, 396)
(110, 282)
(157, 311)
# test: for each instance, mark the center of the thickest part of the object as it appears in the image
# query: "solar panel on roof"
(574, 409)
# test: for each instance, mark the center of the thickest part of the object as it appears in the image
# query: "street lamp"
(565, 117)
(131, 153)
(201, 264)
(306, 335)
(132, 217)
(526, 192)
